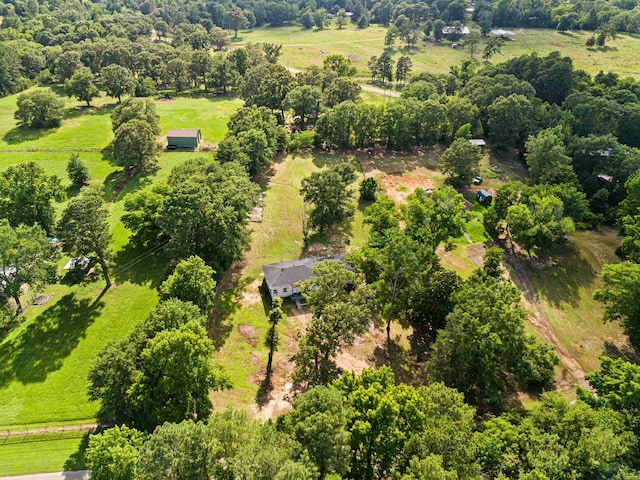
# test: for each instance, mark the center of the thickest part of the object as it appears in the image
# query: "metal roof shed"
(188, 138)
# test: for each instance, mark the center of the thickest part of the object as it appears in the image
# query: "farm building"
(281, 278)
(484, 197)
(188, 138)
(506, 34)
(453, 29)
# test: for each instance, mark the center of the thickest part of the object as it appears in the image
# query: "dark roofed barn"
(281, 278)
(189, 138)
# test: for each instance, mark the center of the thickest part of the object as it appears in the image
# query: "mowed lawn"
(55, 452)
(45, 361)
(302, 48)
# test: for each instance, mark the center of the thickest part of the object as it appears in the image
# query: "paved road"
(79, 475)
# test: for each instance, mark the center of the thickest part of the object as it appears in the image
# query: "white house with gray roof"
(281, 278)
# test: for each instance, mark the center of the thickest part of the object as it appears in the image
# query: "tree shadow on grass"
(18, 135)
(44, 345)
(562, 283)
(227, 301)
(625, 351)
(140, 265)
(400, 360)
(76, 460)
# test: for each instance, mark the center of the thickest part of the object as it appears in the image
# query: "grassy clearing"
(302, 48)
(565, 289)
(241, 315)
(52, 452)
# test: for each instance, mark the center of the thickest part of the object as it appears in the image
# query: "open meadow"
(302, 48)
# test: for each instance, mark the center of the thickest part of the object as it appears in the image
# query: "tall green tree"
(492, 47)
(341, 308)
(205, 211)
(176, 377)
(114, 453)
(619, 296)
(26, 195)
(77, 171)
(340, 64)
(135, 146)
(510, 120)
(83, 229)
(306, 102)
(483, 350)
(134, 108)
(39, 109)
(461, 161)
(81, 86)
(272, 340)
(117, 81)
(25, 257)
(330, 197)
(546, 158)
(191, 281)
(318, 421)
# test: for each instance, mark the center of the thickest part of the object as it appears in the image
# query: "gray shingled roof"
(287, 273)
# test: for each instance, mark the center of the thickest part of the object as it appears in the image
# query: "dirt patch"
(249, 333)
(399, 187)
(476, 253)
(278, 403)
(251, 294)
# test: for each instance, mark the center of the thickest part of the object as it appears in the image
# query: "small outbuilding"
(484, 197)
(506, 34)
(478, 142)
(187, 138)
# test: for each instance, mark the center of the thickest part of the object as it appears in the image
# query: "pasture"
(302, 48)
(45, 361)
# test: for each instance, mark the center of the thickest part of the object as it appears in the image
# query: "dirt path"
(541, 323)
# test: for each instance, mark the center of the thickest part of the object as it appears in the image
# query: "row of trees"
(369, 427)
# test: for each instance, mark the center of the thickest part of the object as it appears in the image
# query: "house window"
(284, 290)
(275, 291)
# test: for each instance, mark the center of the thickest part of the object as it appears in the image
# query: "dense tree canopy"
(27, 194)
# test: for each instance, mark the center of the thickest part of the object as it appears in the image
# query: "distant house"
(452, 30)
(189, 138)
(478, 142)
(281, 278)
(604, 178)
(507, 34)
(484, 197)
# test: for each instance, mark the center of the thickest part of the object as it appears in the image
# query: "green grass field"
(44, 362)
(302, 48)
(55, 452)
